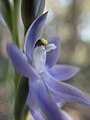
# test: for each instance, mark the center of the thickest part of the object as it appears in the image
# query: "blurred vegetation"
(69, 19)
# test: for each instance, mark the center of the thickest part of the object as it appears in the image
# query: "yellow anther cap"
(44, 41)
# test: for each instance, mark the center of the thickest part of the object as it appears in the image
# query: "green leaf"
(15, 19)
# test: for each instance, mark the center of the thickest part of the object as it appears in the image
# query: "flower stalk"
(20, 111)
(15, 19)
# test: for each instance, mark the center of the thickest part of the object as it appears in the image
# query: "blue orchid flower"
(45, 78)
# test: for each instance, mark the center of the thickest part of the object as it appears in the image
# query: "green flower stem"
(15, 19)
(15, 36)
(16, 79)
(20, 108)
(15, 31)
(25, 112)
(21, 83)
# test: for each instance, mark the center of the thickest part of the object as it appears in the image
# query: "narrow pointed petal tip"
(34, 33)
(46, 13)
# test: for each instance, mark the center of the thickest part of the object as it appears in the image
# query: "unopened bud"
(31, 9)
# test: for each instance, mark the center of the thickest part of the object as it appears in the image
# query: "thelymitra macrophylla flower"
(45, 77)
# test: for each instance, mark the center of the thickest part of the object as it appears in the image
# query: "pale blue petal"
(53, 55)
(66, 91)
(33, 34)
(63, 72)
(33, 106)
(46, 101)
(20, 63)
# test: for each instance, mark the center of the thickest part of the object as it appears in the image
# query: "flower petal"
(66, 91)
(33, 106)
(33, 34)
(63, 72)
(53, 55)
(45, 100)
(20, 63)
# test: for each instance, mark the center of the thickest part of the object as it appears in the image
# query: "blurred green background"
(69, 19)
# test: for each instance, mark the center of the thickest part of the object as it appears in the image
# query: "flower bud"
(30, 10)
